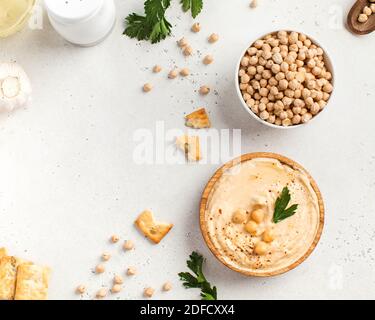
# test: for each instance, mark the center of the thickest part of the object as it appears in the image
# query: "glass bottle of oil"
(14, 15)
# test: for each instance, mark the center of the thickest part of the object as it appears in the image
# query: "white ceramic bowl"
(329, 67)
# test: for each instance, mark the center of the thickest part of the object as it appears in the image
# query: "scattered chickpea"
(148, 292)
(147, 87)
(99, 268)
(257, 215)
(128, 245)
(106, 256)
(157, 69)
(251, 227)
(204, 90)
(173, 74)
(261, 248)
(118, 280)
(239, 216)
(213, 38)
(188, 51)
(208, 59)
(116, 288)
(184, 72)
(81, 289)
(115, 238)
(182, 42)
(167, 286)
(196, 27)
(254, 4)
(102, 293)
(268, 236)
(131, 271)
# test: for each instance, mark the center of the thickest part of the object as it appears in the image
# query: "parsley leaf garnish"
(195, 6)
(198, 280)
(281, 212)
(153, 26)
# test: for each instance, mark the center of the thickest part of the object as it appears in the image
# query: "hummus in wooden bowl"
(261, 214)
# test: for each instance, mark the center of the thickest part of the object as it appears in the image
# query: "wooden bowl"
(352, 21)
(208, 189)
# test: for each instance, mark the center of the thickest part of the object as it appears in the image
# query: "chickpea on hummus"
(240, 217)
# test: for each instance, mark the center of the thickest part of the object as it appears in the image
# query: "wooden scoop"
(357, 27)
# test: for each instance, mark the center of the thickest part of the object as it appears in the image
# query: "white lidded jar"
(82, 22)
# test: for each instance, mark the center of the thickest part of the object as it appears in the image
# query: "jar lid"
(72, 10)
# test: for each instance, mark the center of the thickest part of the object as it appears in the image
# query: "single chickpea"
(106, 256)
(213, 38)
(147, 87)
(188, 51)
(306, 117)
(102, 293)
(296, 119)
(315, 108)
(257, 215)
(131, 271)
(204, 90)
(277, 58)
(116, 288)
(184, 72)
(254, 4)
(372, 7)
(81, 289)
(252, 51)
(173, 74)
(148, 292)
(251, 227)
(261, 248)
(128, 245)
(118, 280)
(283, 84)
(167, 286)
(268, 236)
(182, 43)
(196, 27)
(271, 119)
(328, 88)
(286, 122)
(115, 238)
(99, 268)
(367, 11)
(264, 115)
(239, 216)
(245, 61)
(208, 59)
(258, 44)
(157, 69)
(245, 78)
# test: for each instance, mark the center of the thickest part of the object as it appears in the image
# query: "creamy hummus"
(254, 183)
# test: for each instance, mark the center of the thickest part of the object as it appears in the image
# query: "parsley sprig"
(198, 280)
(281, 212)
(153, 26)
(195, 6)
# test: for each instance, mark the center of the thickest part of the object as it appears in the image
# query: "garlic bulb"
(15, 87)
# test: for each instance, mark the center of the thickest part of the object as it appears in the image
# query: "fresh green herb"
(153, 26)
(195, 6)
(199, 281)
(281, 212)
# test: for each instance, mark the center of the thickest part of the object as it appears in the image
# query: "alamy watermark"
(158, 146)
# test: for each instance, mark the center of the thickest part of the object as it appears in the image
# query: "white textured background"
(68, 181)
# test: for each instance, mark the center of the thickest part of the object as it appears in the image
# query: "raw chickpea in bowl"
(284, 79)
